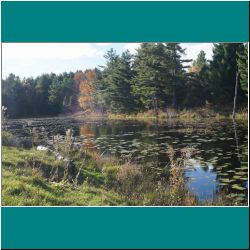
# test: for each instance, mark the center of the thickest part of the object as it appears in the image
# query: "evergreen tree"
(59, 92)
(242, 63)
(154, 78)
(159, 75)
(178, 75)
(151, 71)
(115, 83)
(43, 83)
(223, 69)
(199, 63)
(13, 95)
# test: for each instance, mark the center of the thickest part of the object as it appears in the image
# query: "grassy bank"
(32, 177)
(29, 178)
(184, 115)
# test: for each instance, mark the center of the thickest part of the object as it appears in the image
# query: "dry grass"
(129, 183)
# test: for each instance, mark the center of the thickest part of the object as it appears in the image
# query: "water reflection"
(220, 163)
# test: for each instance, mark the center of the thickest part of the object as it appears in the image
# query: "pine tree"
(115, 83)
(223, 69)
(150, 76)
(159, 75)
(177, 71)
(242, 63)
(199, 63)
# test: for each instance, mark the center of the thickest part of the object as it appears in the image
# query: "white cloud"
(32, 59)
(103, 44)
(131, 47)
(193, 49)
(36, 51)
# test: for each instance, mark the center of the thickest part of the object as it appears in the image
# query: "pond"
(220, 162)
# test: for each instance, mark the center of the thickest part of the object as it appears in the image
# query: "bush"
(130, 178)
(110, 175)
(9, 140)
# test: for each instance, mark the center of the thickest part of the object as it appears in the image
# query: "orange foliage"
(86, 83)
(194, 69)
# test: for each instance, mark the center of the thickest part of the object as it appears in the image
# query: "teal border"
(125, 21)
(125, 227)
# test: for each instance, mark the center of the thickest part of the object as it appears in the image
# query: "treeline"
(156, 77)
(39, 96)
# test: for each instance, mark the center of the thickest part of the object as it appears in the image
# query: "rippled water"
(220, 160)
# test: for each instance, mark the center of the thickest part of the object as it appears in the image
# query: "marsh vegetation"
(150, 128)
(128, 162)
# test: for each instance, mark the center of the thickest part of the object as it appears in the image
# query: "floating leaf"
(244, 179)
(237, 177)
(223, 174)
(240, 198)
(223, 184)
(241, 173)
(238, 187)
(244, 168)
(231, 196)
(225, 180)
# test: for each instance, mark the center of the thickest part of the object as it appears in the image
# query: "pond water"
(220, 162)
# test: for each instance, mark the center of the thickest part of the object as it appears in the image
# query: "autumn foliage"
(86, 85)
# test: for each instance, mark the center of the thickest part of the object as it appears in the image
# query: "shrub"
(110, 175)
(9, 139)
(130, 178)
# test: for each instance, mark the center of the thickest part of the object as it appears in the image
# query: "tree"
(13, 96)
(223, 69)
(178, 75)
(87, 89)
(59, 92)
(199, 63)
(43, 83)
(159, 75)
(242, 63)
(150, 76)
(114, 85)
(154, 78)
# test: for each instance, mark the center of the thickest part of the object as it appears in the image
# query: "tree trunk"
(235, 93)
(174, 99)
(155, 104)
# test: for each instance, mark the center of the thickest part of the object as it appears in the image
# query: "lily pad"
(244, 179)
(223, 184)
(225, 180)
(238, 187)
(237, 177)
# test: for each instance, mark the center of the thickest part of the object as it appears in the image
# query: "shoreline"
(185, 115)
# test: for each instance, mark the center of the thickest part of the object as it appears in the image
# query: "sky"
(33, 59)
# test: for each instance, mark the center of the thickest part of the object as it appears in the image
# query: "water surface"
(218, 165)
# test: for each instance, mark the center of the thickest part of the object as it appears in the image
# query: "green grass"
(28, 180)
(24, 182)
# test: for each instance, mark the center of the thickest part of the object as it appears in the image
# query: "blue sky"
(33, 59)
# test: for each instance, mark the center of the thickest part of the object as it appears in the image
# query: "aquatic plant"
(81, 172)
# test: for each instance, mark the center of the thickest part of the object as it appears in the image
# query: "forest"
(155, 78)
